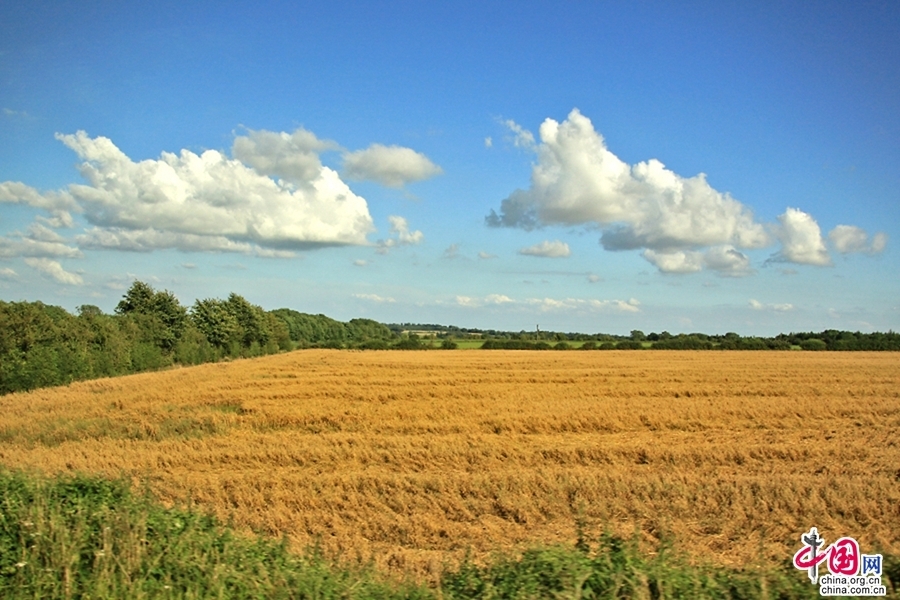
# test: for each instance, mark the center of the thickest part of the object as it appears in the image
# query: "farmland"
(414, 457)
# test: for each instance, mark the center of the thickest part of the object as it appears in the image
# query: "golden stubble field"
(413, 457)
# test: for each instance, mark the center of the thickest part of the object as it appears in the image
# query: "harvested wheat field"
(413, 457)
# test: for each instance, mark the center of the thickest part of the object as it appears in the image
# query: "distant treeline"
(830, 339)
(801, 341)
(42, 345)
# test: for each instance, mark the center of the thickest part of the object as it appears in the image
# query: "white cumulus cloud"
(725, 260)
(848, 238)
(682, 224)
(547, 249)
(393, 166)
(678, 261)
(212, 195)
(801, 239)
(292, 156)
(54, 270)
(577, 180)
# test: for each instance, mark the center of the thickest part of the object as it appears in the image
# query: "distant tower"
(538, 327)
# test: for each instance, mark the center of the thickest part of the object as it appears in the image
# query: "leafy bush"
(627, 345)
(813, 344)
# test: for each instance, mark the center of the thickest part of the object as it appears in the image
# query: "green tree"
(252, 320)
(214, 319)
(164, 317)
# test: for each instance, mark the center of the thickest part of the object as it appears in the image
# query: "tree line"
(43, 345)
(829, 339)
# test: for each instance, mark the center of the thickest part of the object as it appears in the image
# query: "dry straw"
(413, 457)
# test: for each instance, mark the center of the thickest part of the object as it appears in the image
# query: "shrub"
(813, 344)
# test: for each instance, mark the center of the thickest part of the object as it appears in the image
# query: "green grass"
(468, 344)
(86, 537)
(83, 537)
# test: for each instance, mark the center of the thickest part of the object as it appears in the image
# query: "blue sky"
(582, 166)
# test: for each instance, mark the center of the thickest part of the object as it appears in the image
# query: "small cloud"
(801, 239)
(360, 262)
(675, 262)
(452, 251)
(848, 239)
(488, 142)
(522, 138)
(547, 249)
(552, 304)
(392, 166)
(13, 114)
(577, 304)
(8, 274)
(757, 305)
(788, 271)
(53, 270)
(725, 260)
(403, 236)
(374, 298)
(486, 255)
(188, 266)
(490, 299)
(594, 278)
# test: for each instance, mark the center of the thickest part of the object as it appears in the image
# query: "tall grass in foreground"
(81, 537)
(85, 537)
